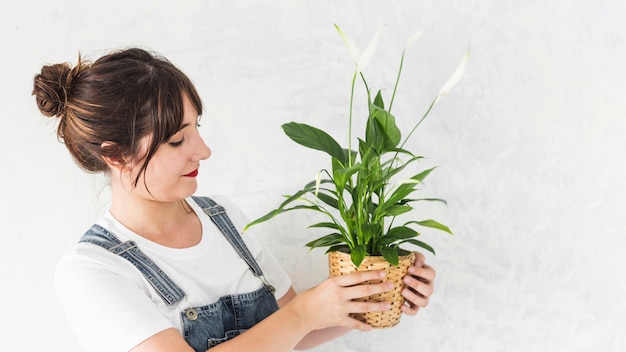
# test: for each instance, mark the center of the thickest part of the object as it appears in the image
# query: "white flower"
(412, 39)
(361, 60)
(456, 76)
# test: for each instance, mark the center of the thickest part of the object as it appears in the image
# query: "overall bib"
(210, 325)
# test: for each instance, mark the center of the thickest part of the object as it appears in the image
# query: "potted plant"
(363, 192)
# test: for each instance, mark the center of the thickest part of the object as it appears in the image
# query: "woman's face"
(171, 173)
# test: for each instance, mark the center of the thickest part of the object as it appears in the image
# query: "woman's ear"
(115, 163)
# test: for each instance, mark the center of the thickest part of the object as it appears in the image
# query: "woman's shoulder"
(86, 260)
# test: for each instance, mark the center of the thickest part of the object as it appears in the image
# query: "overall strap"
(163, 284)
(218, 215)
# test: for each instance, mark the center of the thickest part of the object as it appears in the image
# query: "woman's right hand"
(330, 303)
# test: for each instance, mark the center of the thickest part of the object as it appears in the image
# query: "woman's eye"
(177, 143)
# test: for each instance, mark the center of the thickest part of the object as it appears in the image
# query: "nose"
(203, 151)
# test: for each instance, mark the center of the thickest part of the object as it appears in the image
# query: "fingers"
(364, 307)
(409, 309)
(413, 301)
(359, 277)
(356, 324)
(416, 293)
(419, 286)
(425, 272)
(420, 259)
(359, 291)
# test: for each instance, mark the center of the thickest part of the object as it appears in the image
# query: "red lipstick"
(194, 173)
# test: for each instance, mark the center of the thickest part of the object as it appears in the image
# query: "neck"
(170, 223)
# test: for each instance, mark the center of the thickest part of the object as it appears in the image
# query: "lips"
(194, 173)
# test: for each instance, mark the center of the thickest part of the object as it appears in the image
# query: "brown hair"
(120, 98)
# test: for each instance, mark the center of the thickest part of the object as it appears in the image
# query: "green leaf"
(344, 248)
(395, 210)
(342, 175)
(369, 231)
(328, 200)
(374, 135)
(390, 254)
(406, 187)
(387, 122)
(432, 224)
(326, 241)
(314, 138)
(407, 200)
(378, 101)
(390, 172)
(339, 179)
(396, 234)
(280, 210)
(369, 157)
(329, 225)
(420, 244)
(404, 151)
(357, 255)
(422, 175)
(402, 232)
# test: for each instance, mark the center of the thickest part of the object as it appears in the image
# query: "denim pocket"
(229, 335)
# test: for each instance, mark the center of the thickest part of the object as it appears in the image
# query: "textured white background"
(531, 146)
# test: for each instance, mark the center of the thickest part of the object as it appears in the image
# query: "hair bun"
(53, 85)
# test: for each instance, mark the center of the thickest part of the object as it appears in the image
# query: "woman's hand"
(420, 285)
(329, 303)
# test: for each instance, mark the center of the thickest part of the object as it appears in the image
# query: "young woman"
(164, 270)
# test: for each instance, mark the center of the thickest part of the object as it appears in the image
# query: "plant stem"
(350, 121)
(395, 87)
(419, 122)
(413, 129)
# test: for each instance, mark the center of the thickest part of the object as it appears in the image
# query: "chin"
(191, 191)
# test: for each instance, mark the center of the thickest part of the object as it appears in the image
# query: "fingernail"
(382, 273)
(389, 286)
(419, 264)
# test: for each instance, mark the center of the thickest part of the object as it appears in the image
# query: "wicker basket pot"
(340, 264)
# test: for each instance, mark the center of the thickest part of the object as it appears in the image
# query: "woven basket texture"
(340, 264)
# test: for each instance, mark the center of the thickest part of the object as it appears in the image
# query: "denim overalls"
(210, 325)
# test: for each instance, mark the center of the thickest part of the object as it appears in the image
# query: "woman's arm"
(314, 316)
(324, 306)
(419, 282)
(317, 337)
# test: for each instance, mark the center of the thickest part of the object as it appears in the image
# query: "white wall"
(531, 147)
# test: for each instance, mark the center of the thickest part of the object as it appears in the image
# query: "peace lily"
(358, 193)
(360, 60)
(455, 78)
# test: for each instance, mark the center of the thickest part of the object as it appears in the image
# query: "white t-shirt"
(112, 307)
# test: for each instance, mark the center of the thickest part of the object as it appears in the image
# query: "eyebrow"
(182, 127)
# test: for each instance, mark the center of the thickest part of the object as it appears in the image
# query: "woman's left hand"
(419, 285)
